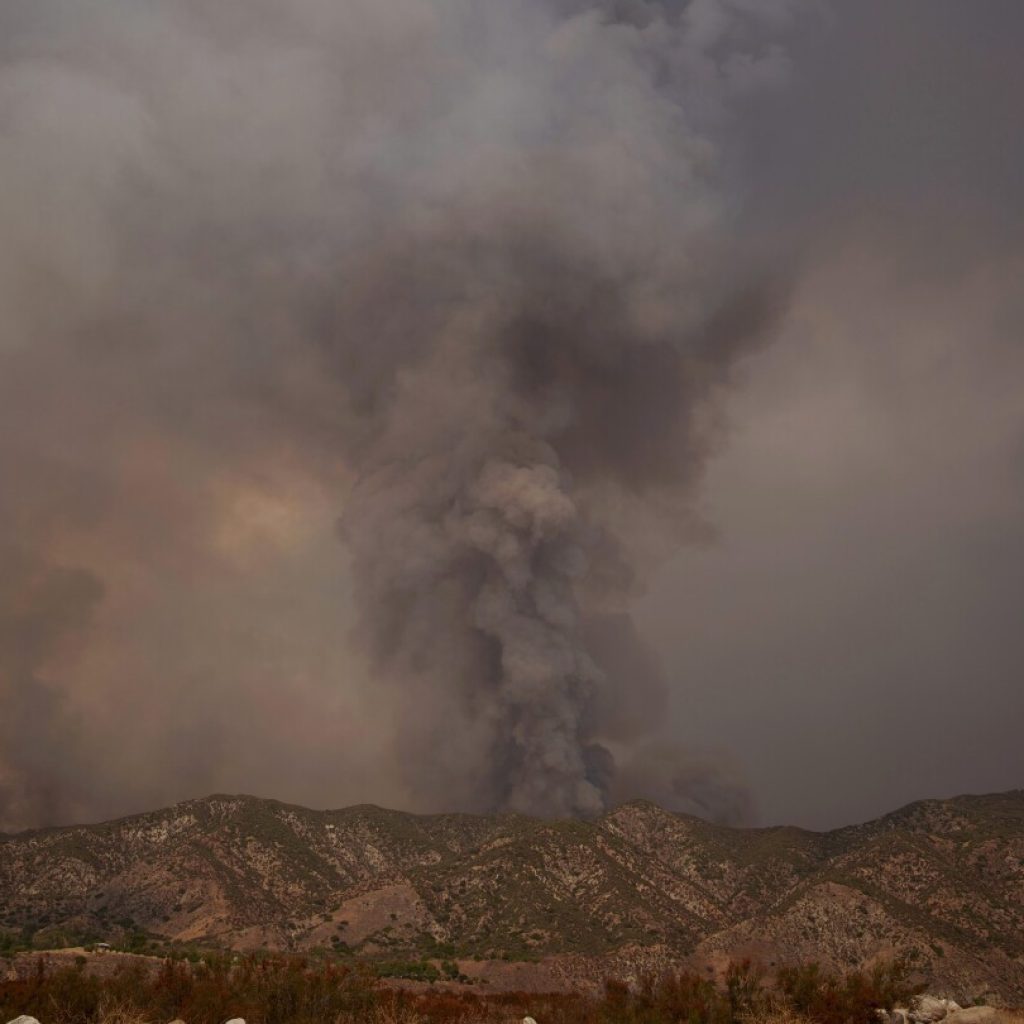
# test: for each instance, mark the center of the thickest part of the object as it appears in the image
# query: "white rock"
(23, 1019)
(928, 1010)
(235, 1020)
(974, 1015)
(529, 1020)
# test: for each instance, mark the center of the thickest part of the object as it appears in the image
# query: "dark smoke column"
(468, 558)
(540, 337)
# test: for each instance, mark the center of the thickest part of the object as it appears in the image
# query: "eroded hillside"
(941, 881)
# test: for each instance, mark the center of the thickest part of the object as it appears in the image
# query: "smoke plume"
(479, 528)
(549, 338)
(470, 273)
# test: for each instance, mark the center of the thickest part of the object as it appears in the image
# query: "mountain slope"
(941, 880)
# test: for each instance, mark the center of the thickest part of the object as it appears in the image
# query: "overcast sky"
(222, 229)
(853, 636)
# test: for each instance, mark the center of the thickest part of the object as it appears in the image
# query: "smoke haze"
(471, 405)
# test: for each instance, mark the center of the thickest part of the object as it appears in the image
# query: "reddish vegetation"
(299, 991)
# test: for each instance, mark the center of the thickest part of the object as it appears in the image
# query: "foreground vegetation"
(299, 991)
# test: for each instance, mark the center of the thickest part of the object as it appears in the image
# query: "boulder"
(897, 1016)
(23, 1019)
(529, 1020)
(928, 1010)
(974, 1015)
(235, 1020)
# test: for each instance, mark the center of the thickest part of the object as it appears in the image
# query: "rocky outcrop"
(928, 1009)
(975, 1015)
(931, 1009)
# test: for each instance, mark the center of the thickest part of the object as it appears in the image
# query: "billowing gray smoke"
(41, 611)
(546, 341)
(469, 269)
(542, 402)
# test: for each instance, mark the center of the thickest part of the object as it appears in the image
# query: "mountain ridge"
(903, 810)
(939, 880)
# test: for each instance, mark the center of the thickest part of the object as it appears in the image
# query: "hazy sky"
(854, 636)
(432, 402)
